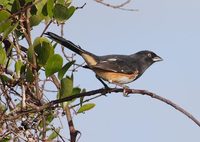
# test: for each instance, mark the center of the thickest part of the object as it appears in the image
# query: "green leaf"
(30, 54)
(59, 12)
(4, 3)
(62, 12)
(71, 11)
(18, 66)
(86, 107)
(29, 75)
(15, 6)
(61, 2)
(5, 79)
(50, 4)
(33, 10)
(3, 56)
(54, 134)
(53, 65)
(6, 139)
(40, 6)
(35, 20)
(5, 22)
(50, 118)
(76, 90)
(9, 30)
(44, 10)
(58, 95)
(82, 98)
(66, 87)
(68, 3)
(44, 50)
(64, 69)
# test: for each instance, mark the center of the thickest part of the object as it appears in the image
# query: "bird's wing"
(120, 65)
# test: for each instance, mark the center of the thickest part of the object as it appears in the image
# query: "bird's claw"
(125, 91)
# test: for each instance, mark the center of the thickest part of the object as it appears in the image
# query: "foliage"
(28, 66)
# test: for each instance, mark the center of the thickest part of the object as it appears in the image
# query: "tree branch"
(104, 91)
(118, 6)
(128, 91)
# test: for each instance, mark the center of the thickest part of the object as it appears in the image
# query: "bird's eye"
(149, 55)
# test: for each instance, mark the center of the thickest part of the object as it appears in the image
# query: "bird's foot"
(125, 91)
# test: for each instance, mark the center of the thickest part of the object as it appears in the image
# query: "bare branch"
(129, 91)
(46, 27)
(118, 6)
(102, 91)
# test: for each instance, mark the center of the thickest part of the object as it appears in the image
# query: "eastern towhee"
(116, 69)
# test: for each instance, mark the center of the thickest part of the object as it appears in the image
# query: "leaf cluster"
(30, 65)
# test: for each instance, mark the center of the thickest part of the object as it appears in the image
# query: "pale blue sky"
(170, 28)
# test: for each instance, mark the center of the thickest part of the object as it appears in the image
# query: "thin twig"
(87, 100)
(44, 127)
(81, 7)
(118, 6)
(53, 128)
(28, 27)
(46, 27)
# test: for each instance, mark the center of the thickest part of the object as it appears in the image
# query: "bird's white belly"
(122, 80)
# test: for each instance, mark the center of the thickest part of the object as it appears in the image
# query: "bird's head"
(145, 59)
(148, 56)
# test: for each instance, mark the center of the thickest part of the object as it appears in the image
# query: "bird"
(116, 69)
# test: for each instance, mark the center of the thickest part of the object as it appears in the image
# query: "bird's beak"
(157, 59)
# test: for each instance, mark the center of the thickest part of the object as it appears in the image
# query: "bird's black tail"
(77, 49)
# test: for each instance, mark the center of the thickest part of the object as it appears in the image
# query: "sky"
(170, 28)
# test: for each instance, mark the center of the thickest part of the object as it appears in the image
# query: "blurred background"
(169, 28)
